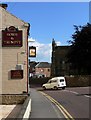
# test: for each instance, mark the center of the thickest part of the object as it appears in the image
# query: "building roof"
(43, 65)
(62, 47)
(33, 64)
(3, 9)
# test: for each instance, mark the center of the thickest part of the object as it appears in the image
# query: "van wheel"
(44, 88)
(55, 87)
(63, 88)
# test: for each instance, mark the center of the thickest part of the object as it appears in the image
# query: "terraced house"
(43, 69)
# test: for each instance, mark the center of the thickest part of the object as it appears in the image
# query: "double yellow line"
(60, 107)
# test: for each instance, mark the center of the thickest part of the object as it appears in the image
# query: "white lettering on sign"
(12, 34)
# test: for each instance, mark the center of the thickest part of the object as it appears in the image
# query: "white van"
(55, 83)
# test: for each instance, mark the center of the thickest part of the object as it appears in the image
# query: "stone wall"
(12, 99)
(78, 81)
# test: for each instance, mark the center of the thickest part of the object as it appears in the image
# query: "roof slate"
(43, 65)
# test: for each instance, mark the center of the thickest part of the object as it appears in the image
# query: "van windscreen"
(61, 80)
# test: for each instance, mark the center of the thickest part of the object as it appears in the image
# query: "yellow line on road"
(60, 107)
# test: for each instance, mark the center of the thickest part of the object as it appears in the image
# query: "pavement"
(9, 111)
(16, 110)
(42, 107)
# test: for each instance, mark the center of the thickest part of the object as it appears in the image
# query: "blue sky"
(50, 20)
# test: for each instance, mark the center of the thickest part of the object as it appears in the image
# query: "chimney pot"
(4, 6)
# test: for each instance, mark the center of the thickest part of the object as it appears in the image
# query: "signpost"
(16, 74)
(11, 37)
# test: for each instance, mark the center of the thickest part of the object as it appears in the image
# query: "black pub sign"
(16, 74)
(11, 37)
(32, 51)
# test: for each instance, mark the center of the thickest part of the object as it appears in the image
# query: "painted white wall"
(8, 55)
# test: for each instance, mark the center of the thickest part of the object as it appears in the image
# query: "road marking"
(60, 107)
(87, 96)
(77, 93)
(71, 91)
(63, 112)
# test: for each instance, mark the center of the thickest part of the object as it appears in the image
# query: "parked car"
(38, 76)
(55, 83)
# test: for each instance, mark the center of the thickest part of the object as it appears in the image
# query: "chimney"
(4, 6)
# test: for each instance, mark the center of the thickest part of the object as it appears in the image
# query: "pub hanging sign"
(11, 37)
(32, 51)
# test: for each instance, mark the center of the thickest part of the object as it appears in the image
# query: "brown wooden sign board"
(11, 37)
(16, 74)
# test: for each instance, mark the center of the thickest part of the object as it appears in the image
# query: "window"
(54, 81)
(61, 80)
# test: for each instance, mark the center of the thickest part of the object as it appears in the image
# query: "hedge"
(72, 81)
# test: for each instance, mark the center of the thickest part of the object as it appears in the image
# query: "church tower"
(53, 58)
(53, 44)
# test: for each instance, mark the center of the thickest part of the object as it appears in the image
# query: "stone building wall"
(59, 67)
(11, 55)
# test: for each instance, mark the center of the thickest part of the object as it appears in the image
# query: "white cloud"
(43, 50)
(58, 43)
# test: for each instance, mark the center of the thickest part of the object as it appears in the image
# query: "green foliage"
(79, 54)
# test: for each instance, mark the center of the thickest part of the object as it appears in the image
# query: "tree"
(79, 54)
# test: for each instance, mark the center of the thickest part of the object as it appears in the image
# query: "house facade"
(13, 53)
(43, 69)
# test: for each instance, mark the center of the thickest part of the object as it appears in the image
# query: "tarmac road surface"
(75, 100)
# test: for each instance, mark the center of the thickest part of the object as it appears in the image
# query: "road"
(75, 100)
